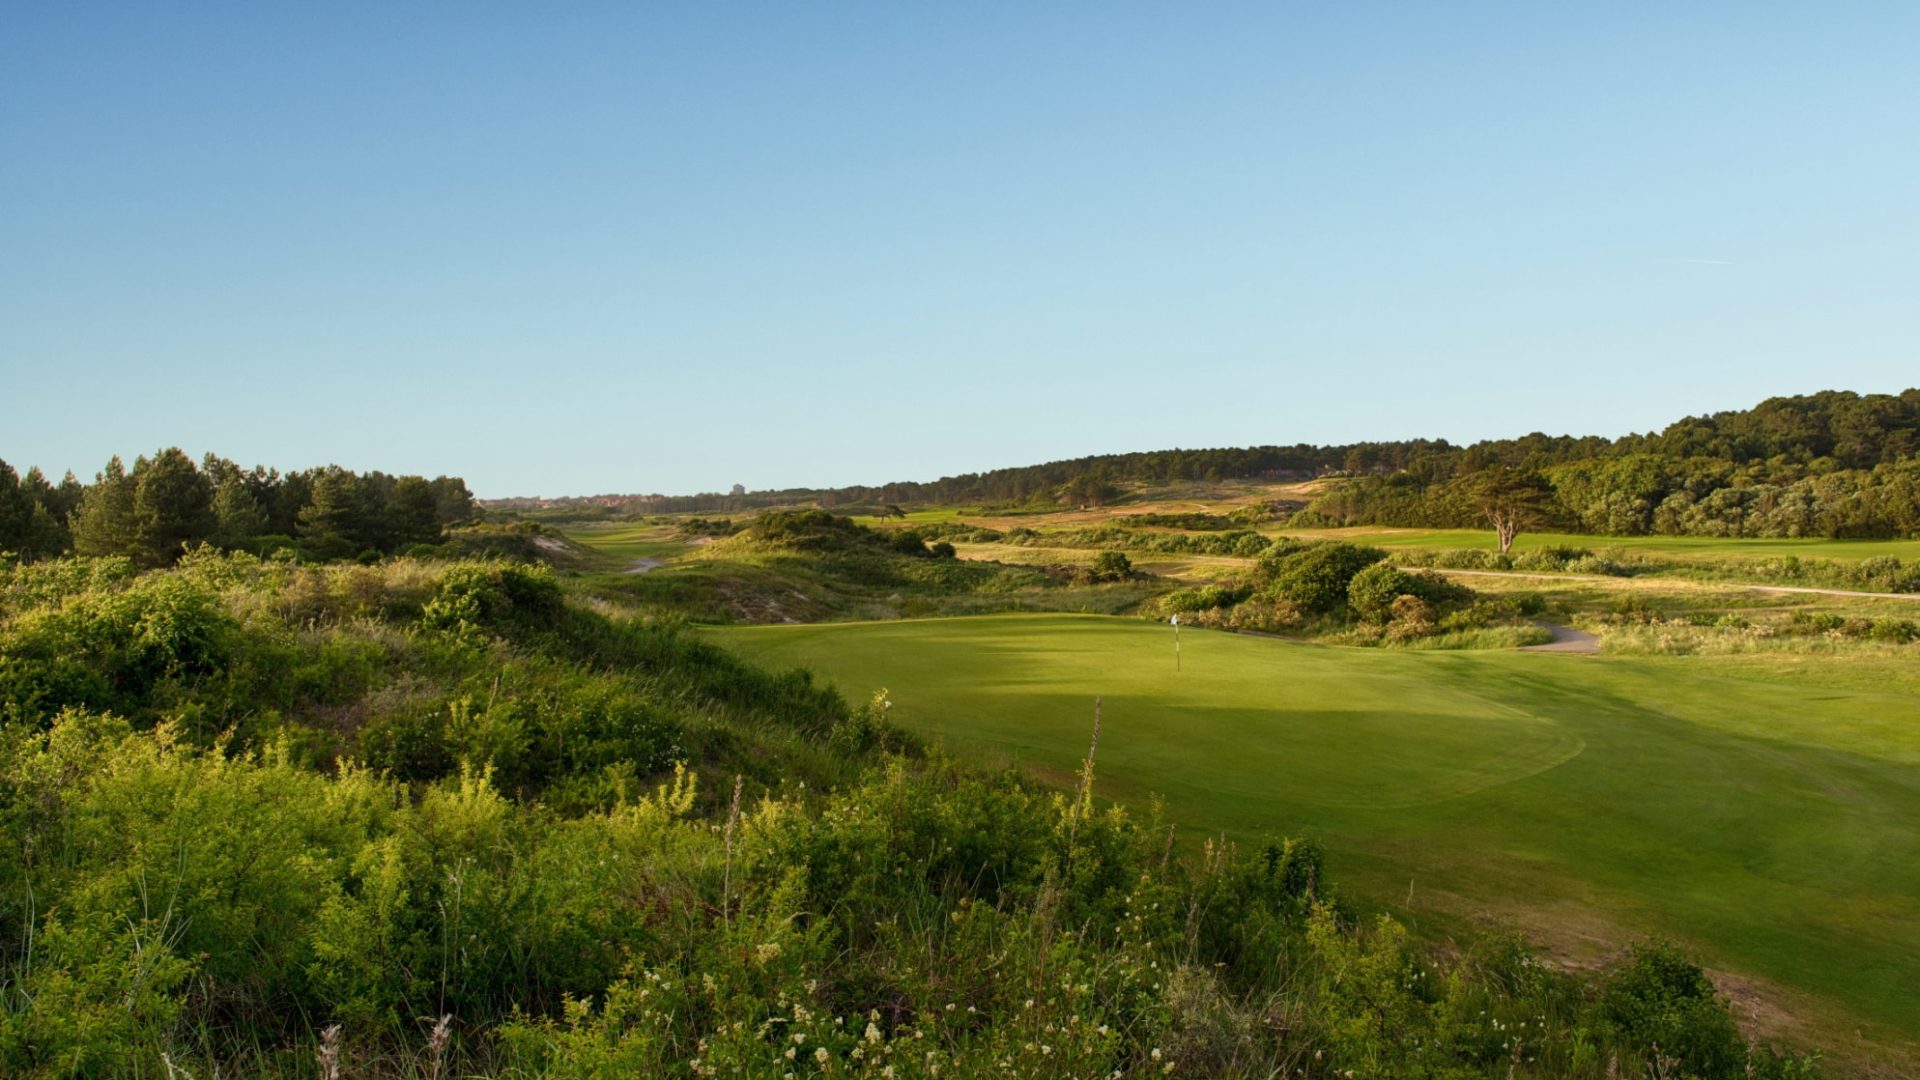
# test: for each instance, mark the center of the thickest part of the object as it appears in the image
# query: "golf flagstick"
(1176, 641)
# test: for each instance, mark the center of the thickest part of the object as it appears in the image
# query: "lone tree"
(1512, 499)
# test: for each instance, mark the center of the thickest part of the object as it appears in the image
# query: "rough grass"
(1483, 637)
(1675, 597)
(1767, 817)
(1677, 547)
(1681, 638)
(1180, 567)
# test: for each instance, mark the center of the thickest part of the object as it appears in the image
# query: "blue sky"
(578, 248)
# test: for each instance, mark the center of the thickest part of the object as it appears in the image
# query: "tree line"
(166, 504)
(1830, 463)
(1643, 494)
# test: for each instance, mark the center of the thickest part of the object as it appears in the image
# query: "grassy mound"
(812, 566)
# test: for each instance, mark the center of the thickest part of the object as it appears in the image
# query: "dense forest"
(166, 504)
(1831, 464)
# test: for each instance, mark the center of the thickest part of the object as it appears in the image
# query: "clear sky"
(575, 248)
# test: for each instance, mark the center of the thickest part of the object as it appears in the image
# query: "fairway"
(1769, 819)
(628, 541)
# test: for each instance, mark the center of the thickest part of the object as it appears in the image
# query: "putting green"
(1770, 817)
(1393, 740)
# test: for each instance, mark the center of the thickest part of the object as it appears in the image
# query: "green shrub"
(1459, 559)
(1251, 545)
(1884, 573)
(1204, 598)
(1527, 604)
(699, 526)
(1111, 566)
(1315, 578)
(112, 648)
(499, 598)
(408, 745)
(1550, 558)
(1373, 590)
(1664, 1006)
(1897, 631)
(809, 530)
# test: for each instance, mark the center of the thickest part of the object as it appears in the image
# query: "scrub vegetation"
(437, 818)
(812, 566)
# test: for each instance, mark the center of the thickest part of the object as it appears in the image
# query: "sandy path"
(1565, 640)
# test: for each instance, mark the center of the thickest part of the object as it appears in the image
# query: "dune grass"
(1769, 819)
(1675, 547)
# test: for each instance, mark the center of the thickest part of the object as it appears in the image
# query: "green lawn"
(1769, 819)
(626, 541)
(1679, 547)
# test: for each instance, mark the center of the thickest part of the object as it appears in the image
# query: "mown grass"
(1769, 818)
(625, 542)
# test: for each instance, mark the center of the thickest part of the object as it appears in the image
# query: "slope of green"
(1771, 819)
(624, 542)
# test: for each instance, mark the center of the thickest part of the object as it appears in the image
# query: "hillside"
(1835, 463)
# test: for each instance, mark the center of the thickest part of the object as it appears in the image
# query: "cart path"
(1565, 640)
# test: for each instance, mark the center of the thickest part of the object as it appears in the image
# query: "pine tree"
(412, 512)
(238, 519)
(453, 503)
(49, 536)
(103, 522)
(16, 512)
(338, 522)
(172, 507)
